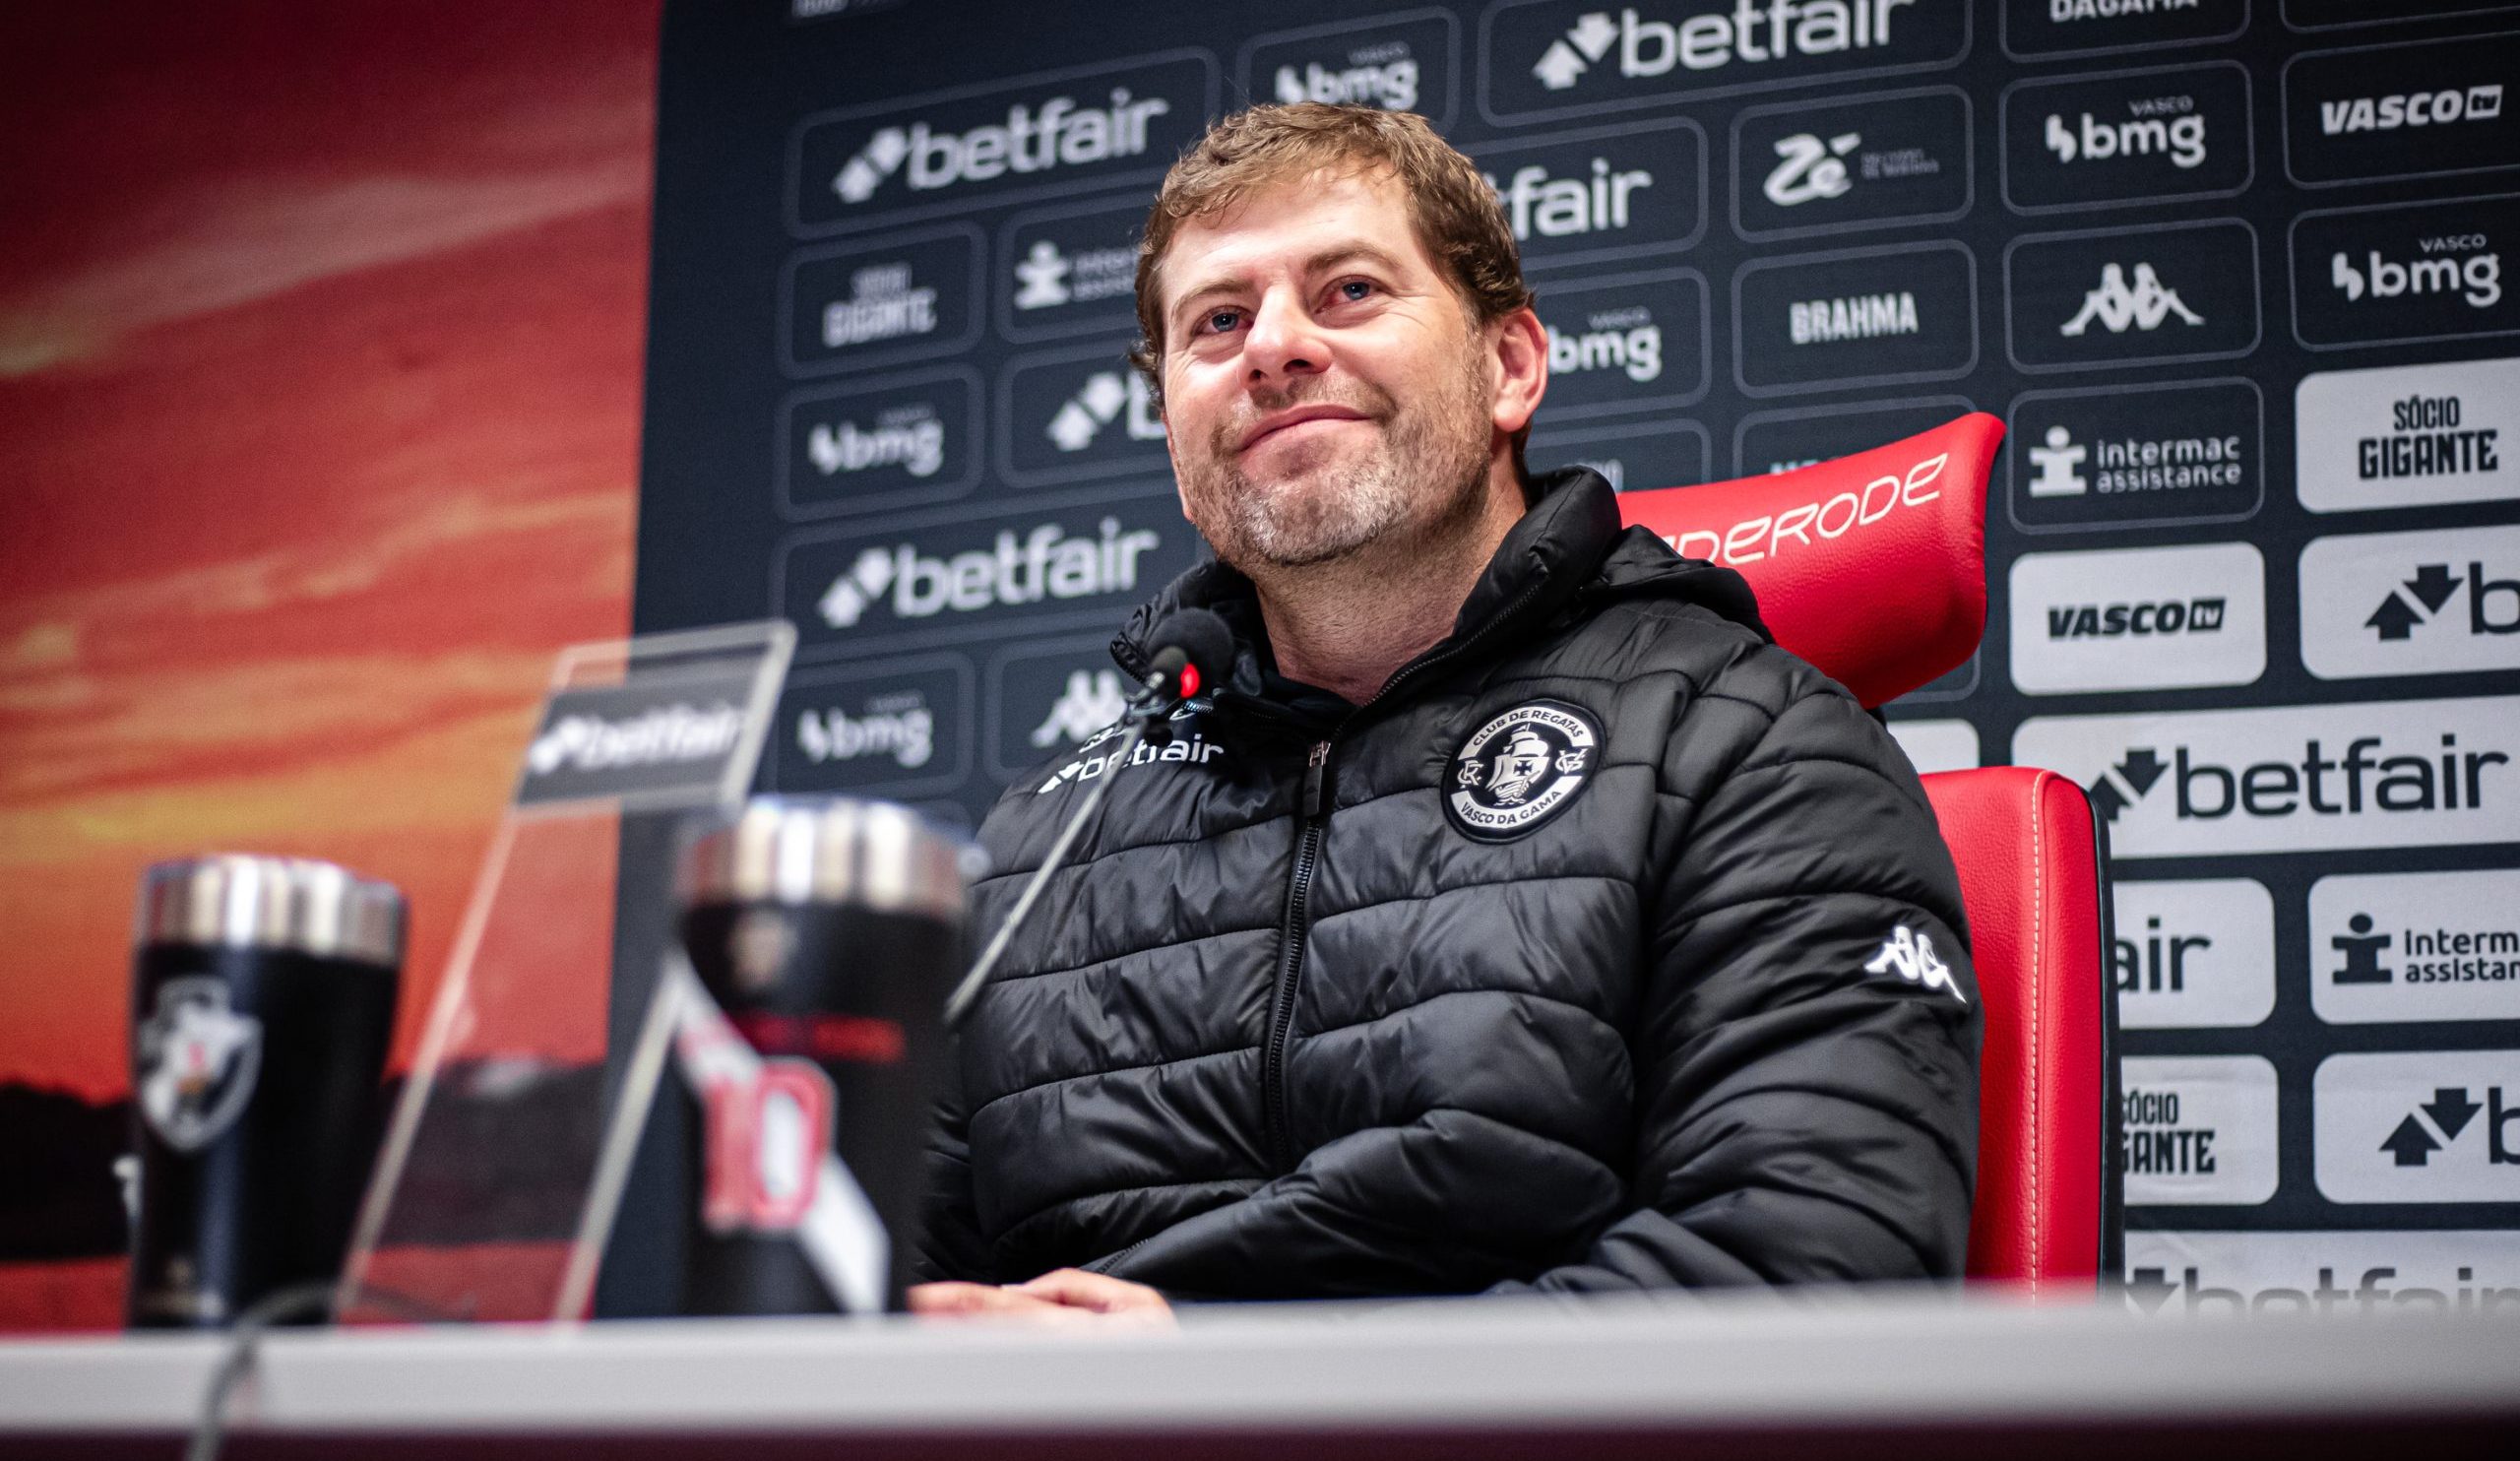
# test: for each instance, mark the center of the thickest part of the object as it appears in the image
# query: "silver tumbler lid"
(243, 900)
(831, 850)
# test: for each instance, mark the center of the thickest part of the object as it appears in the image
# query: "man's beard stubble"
(1426, 474)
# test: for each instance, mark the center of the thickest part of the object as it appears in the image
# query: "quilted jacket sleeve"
(949, 1240)
(1806, 1041)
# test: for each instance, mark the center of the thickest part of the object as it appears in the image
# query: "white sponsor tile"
(2138, 618)
(2181, 1275)
(2292, 779)
(2408, 435)
(2416, 946)
(2423, 603)
(2424, 1126)
(2200, 1130)
(2193, 954)
(1937, 745)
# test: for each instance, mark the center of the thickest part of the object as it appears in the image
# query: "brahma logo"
(1765, 536)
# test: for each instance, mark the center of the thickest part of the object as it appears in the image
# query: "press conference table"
(1840, 1376)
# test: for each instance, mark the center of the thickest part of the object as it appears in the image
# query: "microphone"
(1193, 650)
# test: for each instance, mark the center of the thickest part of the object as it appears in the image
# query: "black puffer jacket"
(1609, 946)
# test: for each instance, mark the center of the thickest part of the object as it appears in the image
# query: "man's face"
(1323, 385)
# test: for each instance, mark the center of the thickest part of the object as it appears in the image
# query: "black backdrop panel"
(2230, 270)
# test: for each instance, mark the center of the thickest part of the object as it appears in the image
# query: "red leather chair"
(1874, 568)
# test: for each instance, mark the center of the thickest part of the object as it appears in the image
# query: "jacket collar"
(1551, 552)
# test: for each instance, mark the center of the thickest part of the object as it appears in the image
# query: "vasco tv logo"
(2139, 618)
(1559, 56)
(2435, 602)
(999, 141)
(2414, 773)
(2420, 109)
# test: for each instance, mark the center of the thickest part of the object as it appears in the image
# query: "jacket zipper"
(1296, 922)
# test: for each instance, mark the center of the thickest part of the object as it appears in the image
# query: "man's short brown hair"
(1451, 208)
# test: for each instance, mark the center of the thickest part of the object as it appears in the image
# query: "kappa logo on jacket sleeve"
(1910, 955)
(1521, 768)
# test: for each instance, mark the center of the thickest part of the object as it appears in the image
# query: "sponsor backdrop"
(2230, 270)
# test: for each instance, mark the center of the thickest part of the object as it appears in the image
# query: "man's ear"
(1519, 345)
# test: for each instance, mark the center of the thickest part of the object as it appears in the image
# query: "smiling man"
(1528, 921)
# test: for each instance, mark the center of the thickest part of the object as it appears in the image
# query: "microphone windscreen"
(1204, 642)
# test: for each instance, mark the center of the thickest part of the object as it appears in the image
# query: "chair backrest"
(1874, 568)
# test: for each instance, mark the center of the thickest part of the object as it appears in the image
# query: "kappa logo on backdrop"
(2116, 308)
(1711, 39)
(1912, 957)
(1107, 396)
(1092, 700)
(198, 1059)
(1521, 768)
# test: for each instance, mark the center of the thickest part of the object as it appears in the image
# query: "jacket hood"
(1567, 544)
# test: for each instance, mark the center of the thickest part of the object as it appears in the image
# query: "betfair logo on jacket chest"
(1521, 768)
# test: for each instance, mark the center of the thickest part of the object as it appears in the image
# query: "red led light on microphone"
(1189, 681)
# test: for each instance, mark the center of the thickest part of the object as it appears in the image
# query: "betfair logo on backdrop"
(1061, 132)
(2429, 602)
(2292, 779)
(1043, 565)
(1751, 33)
(2429, 1127)
(1540, 206)
(1023, 137)
(1109, 396)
